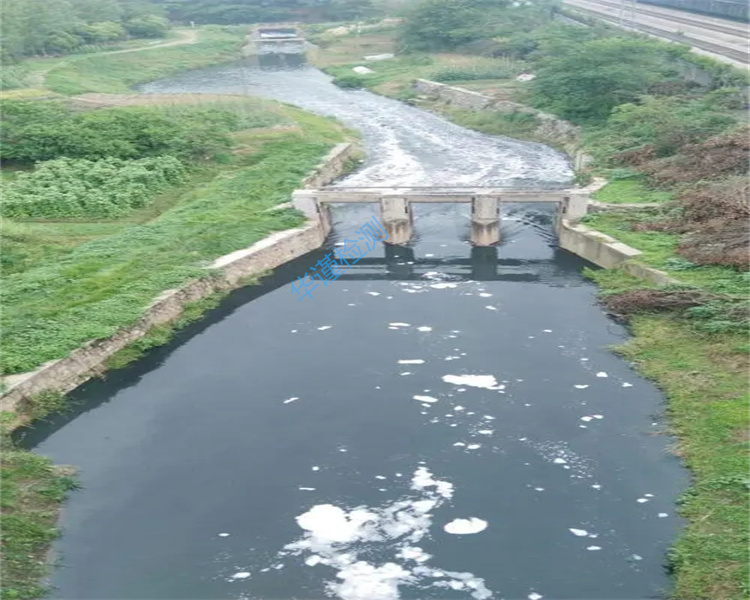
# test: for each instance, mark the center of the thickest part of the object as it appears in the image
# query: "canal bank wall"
(226, 273)
(550, 127)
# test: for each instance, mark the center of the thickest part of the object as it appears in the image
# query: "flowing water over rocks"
(442, 422)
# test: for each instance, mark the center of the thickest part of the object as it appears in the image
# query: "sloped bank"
(226, 273)
(549, 127)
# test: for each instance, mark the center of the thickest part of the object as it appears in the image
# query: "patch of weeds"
(31, 494)
(161, 334)
(44, 403)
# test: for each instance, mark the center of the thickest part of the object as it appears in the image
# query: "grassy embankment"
(69, 280)
(700, 360)
(117, 72)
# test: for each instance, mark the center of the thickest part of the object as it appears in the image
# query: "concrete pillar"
(396, 216)
(575, 205)
(485, 220)
(306, 202)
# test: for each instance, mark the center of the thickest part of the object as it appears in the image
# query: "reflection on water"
(273, 62)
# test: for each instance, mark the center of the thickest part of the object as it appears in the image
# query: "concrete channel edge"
(227, 273)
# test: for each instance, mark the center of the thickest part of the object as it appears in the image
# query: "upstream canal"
(442, 422)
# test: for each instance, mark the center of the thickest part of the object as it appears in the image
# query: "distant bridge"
(396, 206)
(275, 39)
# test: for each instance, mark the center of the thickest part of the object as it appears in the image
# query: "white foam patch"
(465, 526)
(593, 548)
(558, 453)
(473, 446)
(578, 532)
(485, 295)
(324, 327)
(241, 575)
(223, 535)
(307, 489)
(346, 541)
(490, 308)
(642, 500)
(663, 515)
(288, 400)
(581, 386)
(411, 361)
(487, 382)
(626, 384)
(374, 293)
(602, 374)
(399, 325)
(534, 596)
(428, 399)
(443, 286)
(424, 328)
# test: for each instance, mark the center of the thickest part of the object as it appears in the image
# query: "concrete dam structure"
(281, 39)
(396, 206)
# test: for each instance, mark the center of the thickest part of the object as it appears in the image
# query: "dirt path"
(187, 36)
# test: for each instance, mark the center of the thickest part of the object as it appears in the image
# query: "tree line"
(49, 27)
(53, 27)
(231, 12)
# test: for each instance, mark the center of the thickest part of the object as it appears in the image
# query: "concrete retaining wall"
(331, 167)
(228, 272)
(607, 252)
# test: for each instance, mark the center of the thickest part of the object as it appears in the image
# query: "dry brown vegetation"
(714, 201)
(720, 156)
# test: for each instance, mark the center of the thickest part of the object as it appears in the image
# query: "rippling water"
(406, 146)
(442, 422)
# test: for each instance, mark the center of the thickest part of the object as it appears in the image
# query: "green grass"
(117, 73)
(660, 251)
(630, 191)
(67, 283)
(105, 284)
(31, 495)
(704, 378)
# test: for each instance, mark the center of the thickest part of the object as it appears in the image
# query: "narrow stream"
(442, 422)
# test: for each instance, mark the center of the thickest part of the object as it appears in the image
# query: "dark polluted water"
(441, 422)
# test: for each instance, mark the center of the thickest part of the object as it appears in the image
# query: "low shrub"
(469, 74)
(350, 82)
(48, 129)
(108, 187)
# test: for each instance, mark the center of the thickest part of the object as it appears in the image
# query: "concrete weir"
(280, 39)
(397, 215)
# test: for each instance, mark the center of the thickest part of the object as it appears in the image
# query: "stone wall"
(228, 272)
(550, 127)
(607, 252)
(331, 167)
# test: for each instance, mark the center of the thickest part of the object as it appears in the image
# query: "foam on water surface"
(345, 541)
